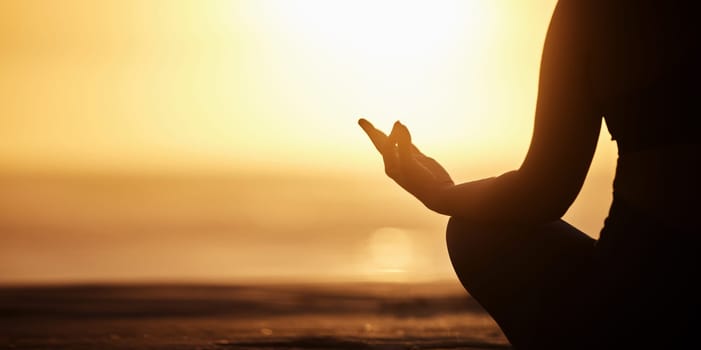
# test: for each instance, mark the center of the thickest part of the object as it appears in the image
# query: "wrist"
(437, 197)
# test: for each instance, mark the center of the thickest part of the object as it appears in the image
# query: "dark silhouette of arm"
(566, 130)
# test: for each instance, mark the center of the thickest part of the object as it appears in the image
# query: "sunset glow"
(246, 84)
(219, 138)
(391, 251)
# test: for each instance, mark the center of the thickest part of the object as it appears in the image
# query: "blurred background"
(217, 140)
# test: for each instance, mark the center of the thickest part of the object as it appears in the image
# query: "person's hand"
(418, 174)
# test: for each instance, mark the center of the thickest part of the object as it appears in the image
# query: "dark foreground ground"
(252, 316)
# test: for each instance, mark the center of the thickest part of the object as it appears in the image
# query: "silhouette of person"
(548, 285)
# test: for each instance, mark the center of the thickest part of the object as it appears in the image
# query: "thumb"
(403, 137)
(404, 147)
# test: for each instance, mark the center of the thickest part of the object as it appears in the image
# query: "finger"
(439, 173)
(437, 170)
(408, 152)
(407, 162)
(378, 138)
(416, 151)
(390, 154)
(384, 146)
(403, 134)
(393, 133)
(403, 139)
(407, 139)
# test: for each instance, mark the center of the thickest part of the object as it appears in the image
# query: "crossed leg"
(532, 280)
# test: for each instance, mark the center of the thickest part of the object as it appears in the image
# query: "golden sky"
(168, 86)
(238, 84)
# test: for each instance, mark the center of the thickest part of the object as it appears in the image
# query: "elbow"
(439, 201)
(552, 214)
(547, 196)
(552, 208)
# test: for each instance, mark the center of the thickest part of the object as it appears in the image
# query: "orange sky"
(241, 87)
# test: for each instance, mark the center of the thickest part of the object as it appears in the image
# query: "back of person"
(645, 76)
(644, 71)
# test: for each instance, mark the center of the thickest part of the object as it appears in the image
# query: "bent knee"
(454, 230)
(462, 237)
(461, 232)
(472, 243)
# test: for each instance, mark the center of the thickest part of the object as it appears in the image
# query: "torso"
(644, 72)
(645, 79)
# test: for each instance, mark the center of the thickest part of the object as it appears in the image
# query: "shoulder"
(571, 30)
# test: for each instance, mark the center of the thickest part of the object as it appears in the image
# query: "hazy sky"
(270, 86)
(143, 84)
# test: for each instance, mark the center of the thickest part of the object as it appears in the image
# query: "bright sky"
(253, 86)
(249, 84)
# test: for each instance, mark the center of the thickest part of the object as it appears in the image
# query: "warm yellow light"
(265, 84)
(384, 60)
(391, 251)
(401, 29)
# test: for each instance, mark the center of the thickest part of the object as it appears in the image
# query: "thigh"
(531, 279)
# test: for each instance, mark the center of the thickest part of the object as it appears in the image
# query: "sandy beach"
(245, 316)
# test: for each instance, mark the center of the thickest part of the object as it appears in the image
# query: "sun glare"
(382, 29)
(390, 252)
(255, 84)
(245, 111)
(384, 59)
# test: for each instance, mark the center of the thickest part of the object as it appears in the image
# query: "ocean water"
(436, 315)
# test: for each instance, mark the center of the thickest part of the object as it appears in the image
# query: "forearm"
(506, 198)
(460, 199)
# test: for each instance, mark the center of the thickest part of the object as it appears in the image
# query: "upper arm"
(566, 130)
(567, 120)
